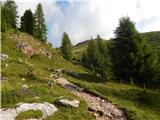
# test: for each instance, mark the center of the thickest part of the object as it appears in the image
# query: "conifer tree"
(8, 15)
(133, 58)
(40, 29)
(27, 22)
(92, 55)
(66, 47)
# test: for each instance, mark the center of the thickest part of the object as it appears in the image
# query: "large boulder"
(72, 103)
(11, 113)
(47, 108)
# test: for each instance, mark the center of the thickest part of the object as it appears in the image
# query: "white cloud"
(82, 19)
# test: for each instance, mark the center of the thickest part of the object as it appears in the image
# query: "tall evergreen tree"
(92, 55)
(66, 47)
(133, 58)
(8, 15)
(104, 61)
(40, 29)
(27, 22)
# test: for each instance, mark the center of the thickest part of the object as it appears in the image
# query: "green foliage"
(29, 114)
(92, 55)
(97, 58)
(40, 29)
(66, 47)
(27, 22)
(133, 57)
(8, 15)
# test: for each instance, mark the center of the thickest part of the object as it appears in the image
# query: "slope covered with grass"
(138, 104)
(15, 74)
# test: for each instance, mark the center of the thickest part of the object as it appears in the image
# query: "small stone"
(6, 65)
(72, 103)
(25, 86)
(4, 56)
(95, 115)
(36, 97)
(103, 100)
(23, 79)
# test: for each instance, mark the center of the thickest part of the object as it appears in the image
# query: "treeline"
(32, 23)
(128, 57)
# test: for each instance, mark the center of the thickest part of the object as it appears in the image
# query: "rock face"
(11, 113)
(72, 103)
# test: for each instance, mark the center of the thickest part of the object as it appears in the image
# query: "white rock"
(6, 65)
(25, 86)
(47, 108)
(23, 79)
(4, 56)
(11, 113)
(72, 103)
(8, 114)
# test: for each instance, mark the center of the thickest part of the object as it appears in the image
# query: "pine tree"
(133, 58)
(40, 29)
(27, 22)
(8, 15)
(66, 47)
(92, 55)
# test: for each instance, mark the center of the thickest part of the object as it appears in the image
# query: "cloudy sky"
(82, 19)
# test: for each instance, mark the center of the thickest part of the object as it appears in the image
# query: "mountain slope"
(30, 63)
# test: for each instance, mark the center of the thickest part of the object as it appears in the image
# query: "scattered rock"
(36, 97)
(72, 103)
(20, 60)
(23, 79)
(3, 79)
(6, 65)
(4, 56)
(101, 109)
(26, 48)
(11, 113)
(49, 55)
(25, 86)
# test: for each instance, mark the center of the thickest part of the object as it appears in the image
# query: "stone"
(11, 113)
(25, 86)
(4, 56)
(47, 108)
(72, 103)
(8, 114)
(23, 79)
(36, 97)
(95, 115)
(6, 65)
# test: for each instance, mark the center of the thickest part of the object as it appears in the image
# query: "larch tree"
(40, 29)
(27, 22)
(8, 15)
(66, 47)
(133, 57)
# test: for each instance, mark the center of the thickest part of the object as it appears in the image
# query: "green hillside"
(138, 104)
(15, 74)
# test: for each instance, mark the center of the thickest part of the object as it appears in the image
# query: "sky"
(83, 19)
